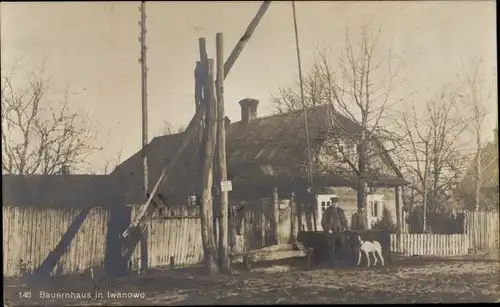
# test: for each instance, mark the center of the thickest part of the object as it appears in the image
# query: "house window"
(324, 205)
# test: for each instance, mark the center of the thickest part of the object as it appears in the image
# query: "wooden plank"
(278, 255)
(53, 231)
(22, 239)
(161, 236)
(9, 249)
(180, 242)
(34, 236)
(38, 246)
(6, 230)
(170, 239)
(188, 244)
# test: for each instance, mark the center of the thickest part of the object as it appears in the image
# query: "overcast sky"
(93, 48)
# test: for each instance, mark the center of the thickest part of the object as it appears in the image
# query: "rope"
(310, 171)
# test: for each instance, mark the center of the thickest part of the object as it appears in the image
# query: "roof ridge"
(287, 113)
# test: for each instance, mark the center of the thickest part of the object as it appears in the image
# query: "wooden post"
(292, 218)
(232, 229)
(202, 45)
(263, 207)
(206, 172)
(398, 208)
(144, 97)
(398, 217)
(276, 216)
(221, 157)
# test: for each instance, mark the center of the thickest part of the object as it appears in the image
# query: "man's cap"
(334, 196)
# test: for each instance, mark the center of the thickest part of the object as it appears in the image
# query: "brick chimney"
(248, 109)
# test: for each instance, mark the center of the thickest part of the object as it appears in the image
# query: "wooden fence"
(71, 241)
(430, 244)
(173, 235)
(483, 230)
(74, 239)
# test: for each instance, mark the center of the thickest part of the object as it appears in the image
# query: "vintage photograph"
(162, 153)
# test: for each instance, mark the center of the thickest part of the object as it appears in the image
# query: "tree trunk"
(478, 171)
(361, 216)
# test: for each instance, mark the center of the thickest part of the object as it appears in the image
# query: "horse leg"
(375, 257)
(359, 258)
(367, 259)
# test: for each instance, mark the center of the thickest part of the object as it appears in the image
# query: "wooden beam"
(398, 208)
(244, 39)
(144, 98)
(206, 174)
(276, 216)
(202, 44)
(398, 197)
(221, 156)
(293, 213)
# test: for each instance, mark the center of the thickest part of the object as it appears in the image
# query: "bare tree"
(110, 164)
(475, 95)
(360, 87)
(433, 157)
(38, 135)
(169, 129)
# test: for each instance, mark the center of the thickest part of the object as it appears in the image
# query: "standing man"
(334, 221)
(334, 218)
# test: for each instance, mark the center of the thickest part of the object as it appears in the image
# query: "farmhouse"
(268, 152)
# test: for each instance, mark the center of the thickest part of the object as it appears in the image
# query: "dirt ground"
(409, 281)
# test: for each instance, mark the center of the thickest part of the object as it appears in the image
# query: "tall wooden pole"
(208, 147)
(221, 155)
(202, 45)
(144, 98)
(304, 107)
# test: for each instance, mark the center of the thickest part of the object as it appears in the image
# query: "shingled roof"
(264, 149)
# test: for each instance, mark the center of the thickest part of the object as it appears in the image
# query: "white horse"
(370, 247)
